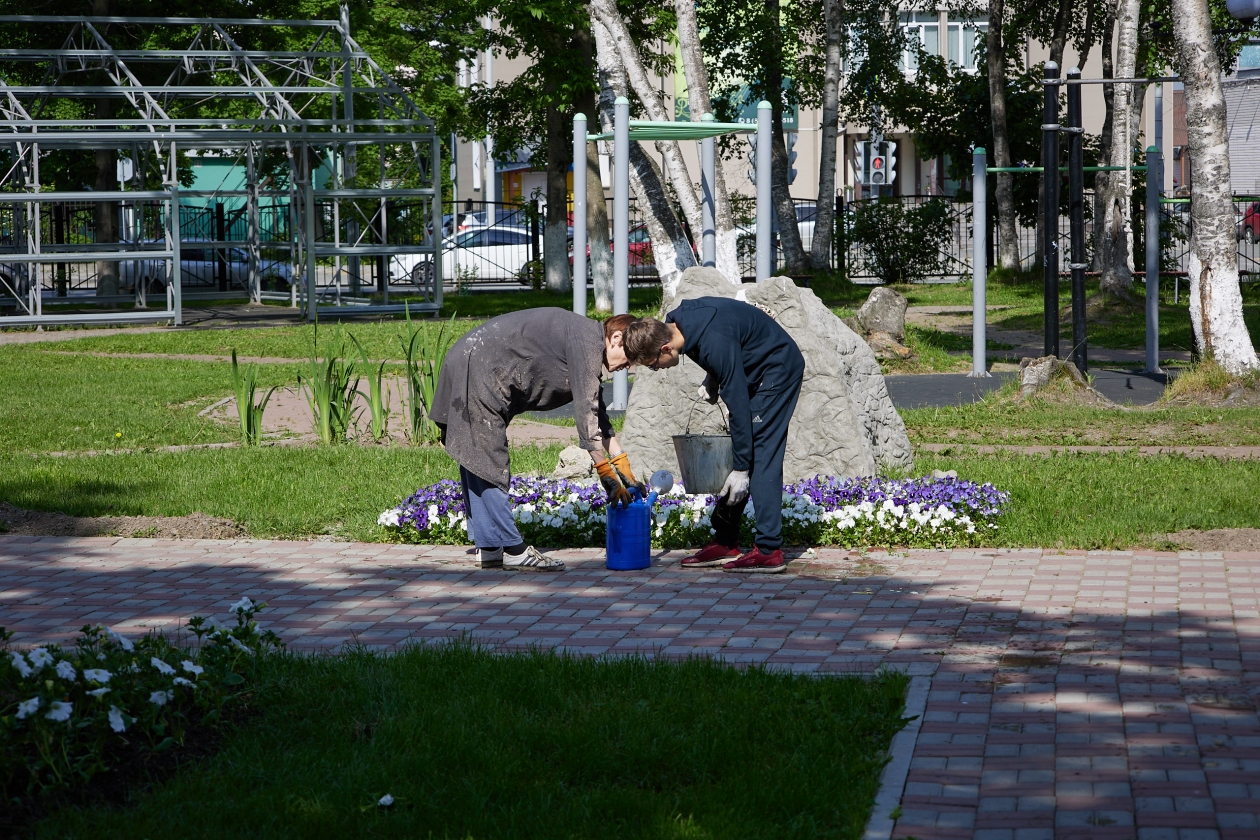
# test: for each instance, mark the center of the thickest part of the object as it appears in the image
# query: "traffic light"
(890, 161)
(791, 141)
(878, 170)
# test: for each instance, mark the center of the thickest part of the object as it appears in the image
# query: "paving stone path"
(1072, 694)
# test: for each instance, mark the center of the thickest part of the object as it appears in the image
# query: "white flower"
(385, 801)
(19, 662)
(65, 670)
(97, 675)
(122, 640)
(182, 681)
(237, 643)
(27, 707)
(243, 605)
(162, 667)
(159, 698)
(40, 657)
(116, 721)
(389, 518)
(98, 692)
(195, 670)
(59, 710)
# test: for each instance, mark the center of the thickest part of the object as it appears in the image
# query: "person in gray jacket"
(531, 360)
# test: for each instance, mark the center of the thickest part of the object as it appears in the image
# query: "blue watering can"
(629, 535)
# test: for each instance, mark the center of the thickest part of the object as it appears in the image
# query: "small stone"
(883, 312)
(575, 464)
(937, 475)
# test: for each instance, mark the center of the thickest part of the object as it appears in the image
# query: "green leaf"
(233, 679)
(165, 744)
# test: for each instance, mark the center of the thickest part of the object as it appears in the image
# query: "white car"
(499, 252)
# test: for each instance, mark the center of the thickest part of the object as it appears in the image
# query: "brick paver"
(1073, 695)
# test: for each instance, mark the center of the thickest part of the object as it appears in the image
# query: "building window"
(1249, 57)
(964, 40)
(922, 29)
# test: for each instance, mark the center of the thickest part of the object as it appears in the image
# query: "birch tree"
(1004, 192)
(699, 104)
(824, 217)
(670, 248)
(1115, 247)
(1215, 298)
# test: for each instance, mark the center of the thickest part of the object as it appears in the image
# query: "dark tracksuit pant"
(774, 403)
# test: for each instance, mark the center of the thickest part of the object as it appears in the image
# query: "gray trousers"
(490, 523)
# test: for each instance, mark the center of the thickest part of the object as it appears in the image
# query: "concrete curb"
(892, 782)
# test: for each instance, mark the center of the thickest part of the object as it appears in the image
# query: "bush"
(901, 243)
(68, 715)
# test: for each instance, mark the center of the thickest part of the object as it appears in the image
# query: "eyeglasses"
(657, 361)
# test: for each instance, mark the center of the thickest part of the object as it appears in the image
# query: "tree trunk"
(1058, 42)
(780, 191)
(699, 104)
(600, 259)
(555, 233)
(626, 53)
(824, 212)
(1004, 191)
(1116, 245)
(670, 248)
(1104, 138)
(1215, 300)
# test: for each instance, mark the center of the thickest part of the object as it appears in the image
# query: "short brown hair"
(617, 323)
(643, 340)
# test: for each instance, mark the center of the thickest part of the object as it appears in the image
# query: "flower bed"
(824, 510)
(67, 714)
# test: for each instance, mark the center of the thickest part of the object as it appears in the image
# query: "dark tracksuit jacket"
(759, 370)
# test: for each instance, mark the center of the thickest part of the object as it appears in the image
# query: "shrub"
(66, 715)
(902, 243)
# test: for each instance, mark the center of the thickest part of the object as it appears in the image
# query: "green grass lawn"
(1110, 501)
(276, 491)
(474, 745)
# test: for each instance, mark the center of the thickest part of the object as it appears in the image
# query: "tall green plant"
(378, 398)
(424, 351)
(330, 386)
(246, 384)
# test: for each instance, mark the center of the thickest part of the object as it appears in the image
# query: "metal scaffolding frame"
(287, 117)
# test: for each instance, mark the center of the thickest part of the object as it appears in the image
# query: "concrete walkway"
(1072, 694)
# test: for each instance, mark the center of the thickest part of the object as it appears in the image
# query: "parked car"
(642, 263)
(1249, 227)
(499, 252)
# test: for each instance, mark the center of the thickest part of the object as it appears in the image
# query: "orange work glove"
(617, 494)
(621, 463)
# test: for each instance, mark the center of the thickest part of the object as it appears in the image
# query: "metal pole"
(1076, 214)
(435, 206)
(764, 209)
(175, 284)
(708, 177)
(308, 233)
(1154, 177)
(1050, 223)
(621, 232)
(979, 267)
(579, 214)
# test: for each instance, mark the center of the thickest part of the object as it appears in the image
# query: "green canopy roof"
(649, 130)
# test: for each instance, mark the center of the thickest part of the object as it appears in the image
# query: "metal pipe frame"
(1050, 220)
(1076, 212)
(288, 89)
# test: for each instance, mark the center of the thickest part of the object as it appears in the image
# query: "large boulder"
(845, 424)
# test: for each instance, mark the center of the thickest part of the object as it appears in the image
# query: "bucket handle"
(695, 401)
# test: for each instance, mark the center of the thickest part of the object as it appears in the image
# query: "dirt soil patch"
(1218, 539)
(40, 523)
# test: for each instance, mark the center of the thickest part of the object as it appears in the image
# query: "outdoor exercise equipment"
(625, 130)
(1051, 129)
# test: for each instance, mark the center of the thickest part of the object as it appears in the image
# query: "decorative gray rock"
(844, 425)
(883, 312)
(1036, 374)
(575, 464)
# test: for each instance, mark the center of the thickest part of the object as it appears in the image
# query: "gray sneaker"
(532, 560)
(490, 558)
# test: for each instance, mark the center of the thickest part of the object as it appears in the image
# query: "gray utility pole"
(979, 268)
(579, 213)
(764, 265)
(708, 175)
(1154, 177)
(621, 232)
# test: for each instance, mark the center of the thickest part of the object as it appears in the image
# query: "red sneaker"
(710, 555)
(758, 562)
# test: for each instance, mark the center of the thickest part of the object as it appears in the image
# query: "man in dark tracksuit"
(757, 369)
